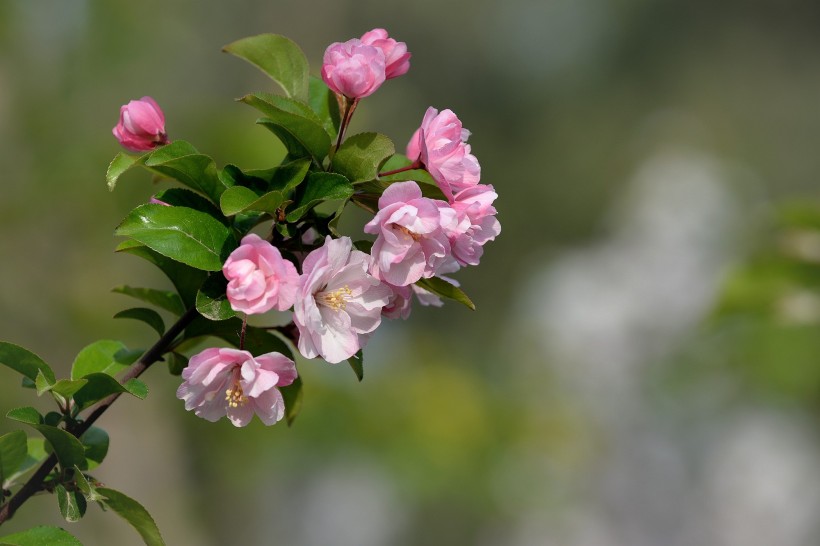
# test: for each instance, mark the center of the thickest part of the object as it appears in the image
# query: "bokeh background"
(644, 364)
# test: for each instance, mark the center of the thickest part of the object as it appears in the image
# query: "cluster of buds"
(339, 294)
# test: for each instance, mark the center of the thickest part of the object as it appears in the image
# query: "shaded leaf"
(320, 187)
(357, 364)
(13, 451)
(323, 102)
(148, 316)
(163, 299)
(444, 289)
(185, 278)
(257, 340)
(68, 449)
(360, 157)
(72, 503)
(24, 361)
(95, 442)
(181, 161)
(40, 536)
(176, 363)
(278, 57)
(134, 513)
(240, 199)
(377, 187)
(186, 235)
(292, 395)
(212, 302)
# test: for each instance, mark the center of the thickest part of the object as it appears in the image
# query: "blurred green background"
(643, 365)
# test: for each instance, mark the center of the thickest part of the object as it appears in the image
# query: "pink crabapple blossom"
(259, 279)
(230, 382)
(396, 57)
(339, 303)
(401, 302)
(411, 241)
(353, 69)
(476, 224)
(141, 126)
(440, 144)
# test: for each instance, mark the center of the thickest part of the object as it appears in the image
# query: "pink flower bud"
(396, 57)
(259, 279)
(353, 69)
(141, 126)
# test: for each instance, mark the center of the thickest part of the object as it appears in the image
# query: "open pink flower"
(141, 126)
(339, 303)
(353, 69)
(259, 279)
(441, 146)
(396, 57)
(411, 243)
(476, 223)
(229, 382)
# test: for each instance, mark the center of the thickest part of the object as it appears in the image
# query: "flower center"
(336, 300)
(235, 395)
(412, 234)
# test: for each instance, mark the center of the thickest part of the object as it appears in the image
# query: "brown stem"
(35, 482)
(350, 107)
(415, 165)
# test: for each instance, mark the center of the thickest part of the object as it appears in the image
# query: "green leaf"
(35, 454)
(257, 340)
(323, 102)
(176, 363)
(292, 395)
(26, 414)
(377, 187)
(320, 187)
(101, 385)
(105, 356)
(294, 123)
(148, 316)
(65, 387)
(41, 383)
(40, 536)
(212, 302)
(186, 235)
(444, 289)
(180, 197)
(181, 161)
(68, 449)
(95, 443)
(278, 57)
(134, 513)
(357, 364)
(360, 157)
(121, 163)
(240, 199)
(287, 176)
(24, 361)
(72, 503)
(163, 299)
(13, 451)
(186, 279)
(88, 489)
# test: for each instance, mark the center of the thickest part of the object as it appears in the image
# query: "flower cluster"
(338, 291)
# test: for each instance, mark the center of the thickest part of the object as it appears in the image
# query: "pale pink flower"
(476, 223)
(339, 303)
(411, 243)
(353, 69)
(399, 303)
(441, 146)
(259, 279)
(397, 59)
(141, 126)
(231, 382)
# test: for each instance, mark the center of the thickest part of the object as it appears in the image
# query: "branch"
(35, 482)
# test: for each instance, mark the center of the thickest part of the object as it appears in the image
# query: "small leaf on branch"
(95, 443)
(65, 388)
(68, 449)
(240, 199)
(278, 57)
(357, 364)
(134, 513)
(181, 161)
(86, 488)
(186, 235)
(40, 536)
(442, 288)
(105, 356)
(186, 279)
(361, 156)
(121, 163)
(101, 385)
(24, 361)
(72, 503)
(26, 414)
(148, 316)
(319, 187)
(211, 301)
(137, 388)
(13, 451)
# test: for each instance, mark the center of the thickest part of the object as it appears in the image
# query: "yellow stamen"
(412, 234)
(336, 300)
(235, 395)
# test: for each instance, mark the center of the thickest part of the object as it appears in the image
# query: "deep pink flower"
(353, 69)
(141, 126)
(411, 243)
(259, 279)
(476, 223)
(441, 146)
(396, 57)
(339, 303)
(224, 381)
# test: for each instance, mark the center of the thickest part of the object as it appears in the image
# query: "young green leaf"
(40, 536)
(186, 235)
(105, 356)
(444, 289)
(134, 513)
(24, 361)
(320, 187)
(278, 57)
(137, 388)
(360, 156)
(88, 489)
(72, 503)
(65, 388)
(212, 302)
(13, 451)
(121, 163)
(164, 299)
(26, 414)
(148, 316)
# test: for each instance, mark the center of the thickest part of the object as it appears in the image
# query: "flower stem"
(349, 108)
(415, 165)
(35, 482)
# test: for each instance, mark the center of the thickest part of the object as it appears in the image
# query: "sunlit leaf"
(24, 361)
(278, 57)
(134, 513)
(444, 289)
(40, 536)
(360, 157)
